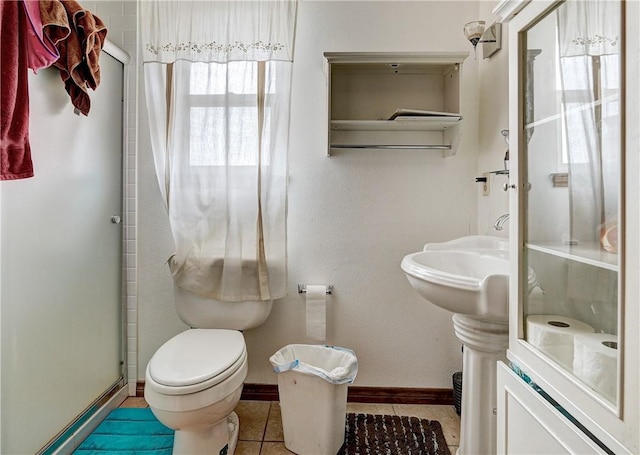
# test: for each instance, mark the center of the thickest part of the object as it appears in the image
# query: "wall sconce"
(491, 40)
(473, 32)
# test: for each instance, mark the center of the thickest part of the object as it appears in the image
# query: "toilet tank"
(202, 313)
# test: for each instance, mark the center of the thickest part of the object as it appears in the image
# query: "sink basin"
(486, 243)
(469, 276)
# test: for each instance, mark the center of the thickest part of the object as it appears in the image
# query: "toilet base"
(220, 438)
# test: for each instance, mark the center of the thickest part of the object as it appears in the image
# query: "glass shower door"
(61, 283)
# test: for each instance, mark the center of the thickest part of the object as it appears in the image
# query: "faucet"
(499, 224)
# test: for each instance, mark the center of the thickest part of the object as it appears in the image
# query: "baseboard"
(400, 395)
(356, 394)
(140, 389)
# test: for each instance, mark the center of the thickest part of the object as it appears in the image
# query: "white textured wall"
(353, 216)
(493, 89)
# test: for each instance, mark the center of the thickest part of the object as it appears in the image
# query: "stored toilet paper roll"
(595, 362)
(316, 301)
(554, 335)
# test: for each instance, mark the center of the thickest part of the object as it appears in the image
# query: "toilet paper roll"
(316, 301)
(595, 362)
(554, 336)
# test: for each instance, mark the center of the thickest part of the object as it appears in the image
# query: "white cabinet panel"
(529, 424)
(570, 111)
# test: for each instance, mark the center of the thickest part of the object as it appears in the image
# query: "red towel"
(15, 153)
(42, 52)
(79, 48)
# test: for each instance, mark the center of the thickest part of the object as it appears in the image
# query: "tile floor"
(261, 424)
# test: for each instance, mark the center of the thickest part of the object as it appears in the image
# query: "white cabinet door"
(527, 423)
(572, 107)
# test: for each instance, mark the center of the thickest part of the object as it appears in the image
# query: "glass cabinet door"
(571, 167)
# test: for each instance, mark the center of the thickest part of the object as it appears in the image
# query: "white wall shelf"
(365, 90)
(399, 124)
(393, 146)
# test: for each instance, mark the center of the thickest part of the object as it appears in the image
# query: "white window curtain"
(217, 82)
(589, 46)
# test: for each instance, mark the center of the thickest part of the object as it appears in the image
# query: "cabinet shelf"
(399, 124)
(587, 253)
(403, 133)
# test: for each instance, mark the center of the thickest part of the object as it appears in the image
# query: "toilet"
(194, 381)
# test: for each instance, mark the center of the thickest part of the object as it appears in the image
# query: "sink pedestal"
(469, 276)
(484, 344)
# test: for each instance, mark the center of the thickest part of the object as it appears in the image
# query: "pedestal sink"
(465, 282)
(469, 276)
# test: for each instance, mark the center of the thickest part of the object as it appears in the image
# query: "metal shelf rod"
(403, 147)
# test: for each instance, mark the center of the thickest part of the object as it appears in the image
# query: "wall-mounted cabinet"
(394, 100)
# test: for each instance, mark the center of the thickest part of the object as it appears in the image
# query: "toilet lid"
(195, 356)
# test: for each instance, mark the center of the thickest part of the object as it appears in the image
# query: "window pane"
(232, 77)
(221, 78)
(223, 115)
(218, 133)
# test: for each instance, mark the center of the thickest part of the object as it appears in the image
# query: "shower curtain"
(217, 82)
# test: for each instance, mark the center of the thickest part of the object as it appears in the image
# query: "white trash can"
(312, 383)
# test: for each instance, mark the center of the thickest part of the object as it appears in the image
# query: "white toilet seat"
(196, 360)
(221, 391)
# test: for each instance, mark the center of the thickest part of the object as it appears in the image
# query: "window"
(595, 79)
(224, 116)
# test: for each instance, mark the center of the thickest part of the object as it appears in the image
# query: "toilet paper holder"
(302, 289)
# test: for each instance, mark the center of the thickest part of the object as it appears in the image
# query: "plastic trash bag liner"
(332, 363)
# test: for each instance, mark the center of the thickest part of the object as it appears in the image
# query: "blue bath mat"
(128, 431)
